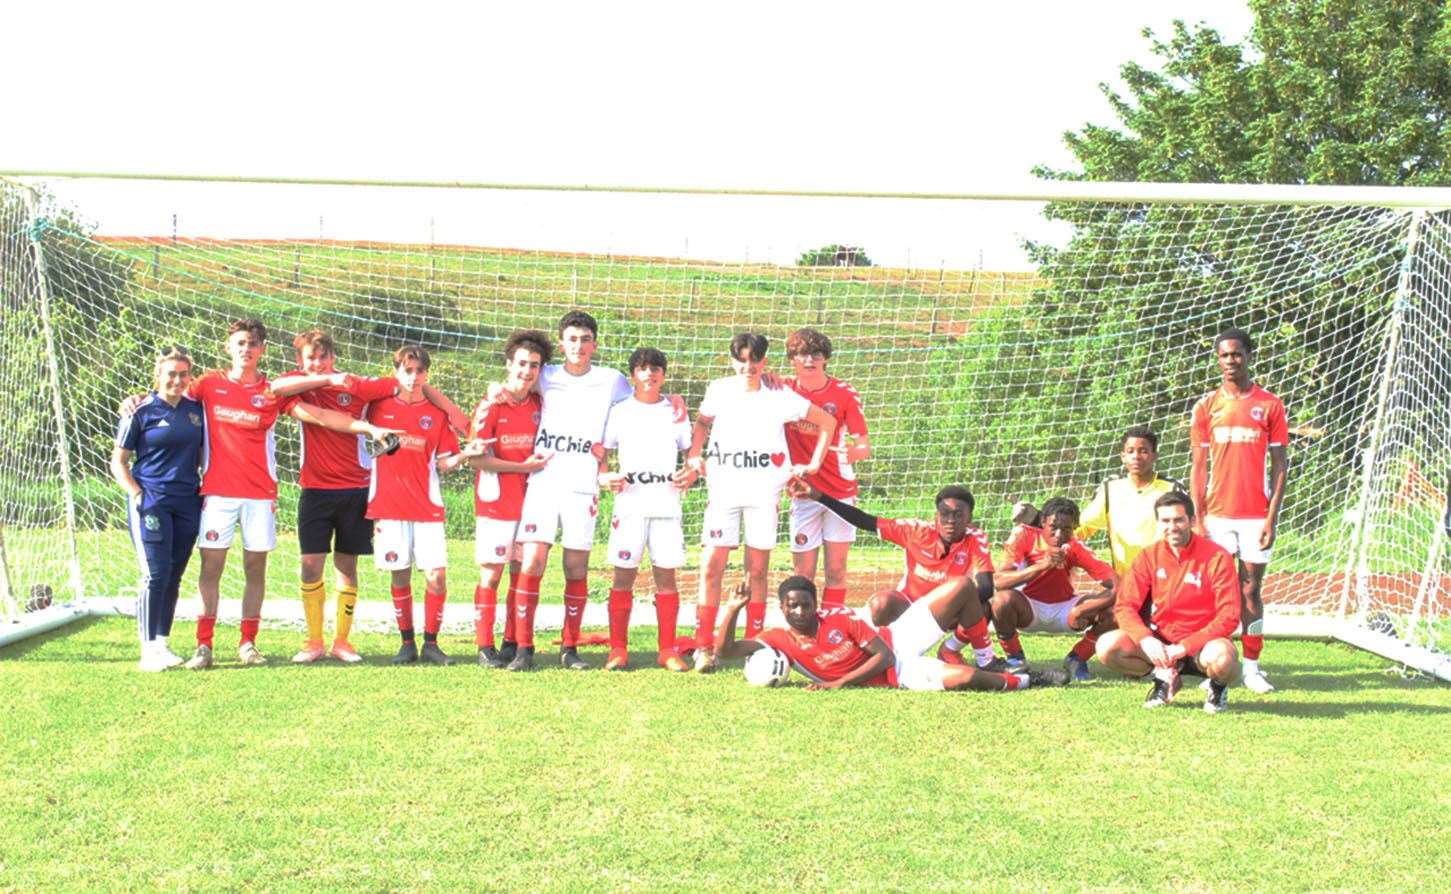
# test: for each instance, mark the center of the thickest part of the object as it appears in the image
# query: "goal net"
(1003, 344)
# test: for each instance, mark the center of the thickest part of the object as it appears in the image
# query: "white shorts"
(548, 513)
(921, 674)
(1241, 536)
(722, 527)
(221, 517)
(494, 541)
(630, 535)
(1050, 617)
(915, 631)
(811, 523)
(403, 544)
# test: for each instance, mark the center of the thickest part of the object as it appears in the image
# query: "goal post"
(1002, 339)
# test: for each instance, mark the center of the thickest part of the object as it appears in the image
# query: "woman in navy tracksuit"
(158, 448)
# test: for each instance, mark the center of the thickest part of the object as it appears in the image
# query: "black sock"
(407, 635)
(430, 638)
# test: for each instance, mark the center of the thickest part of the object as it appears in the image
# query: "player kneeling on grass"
(1037, 596)
(1176, 611)
(947, 548)
(648, 434)
(834, 647)
(405, 502)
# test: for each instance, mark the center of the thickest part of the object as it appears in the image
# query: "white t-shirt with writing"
(572, 422)
(649, 439)
(746, 460)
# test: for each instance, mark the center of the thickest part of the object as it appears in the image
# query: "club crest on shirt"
(425, 422)
(345, 400)
(1257, 414)
(258, 401)
(152, 522)
(835, 637)
(196, 418)
(829, 407)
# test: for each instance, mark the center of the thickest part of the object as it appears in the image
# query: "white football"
(767, 667)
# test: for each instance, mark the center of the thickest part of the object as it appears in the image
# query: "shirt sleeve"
(1223, 578)
(861, 632)
(447, 441)
(1129, 604)
(370, 389)
(1084, 558)
(1279, 426)
(682, 434)
(1199, 424)
(1015, 551)
(201, 387)
(1096, 515)
(128, 432)
(710, 404)
(792, 405)
(892, 530)
(621, 389)
(854, 419)
(980, 555)
(611, 440)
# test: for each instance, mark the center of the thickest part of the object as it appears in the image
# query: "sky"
(901, 97)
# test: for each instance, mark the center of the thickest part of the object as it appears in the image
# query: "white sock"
(953, 644)
(1023, 681)
(1251, 666)
(984, 656)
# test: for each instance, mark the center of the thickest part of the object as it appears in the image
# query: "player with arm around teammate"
(506, 430)
(647, 436)
(1231, 430)
(155, 460)
(1035, 594)
(834, 647)
(406, 503)
(946, 548)
(1178, 607)
(739, 444)
(814, 528)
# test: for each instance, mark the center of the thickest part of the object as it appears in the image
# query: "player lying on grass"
(507, 429)
(739, 443)
(834, 647)
(1176, 611)
(647, 436)
(813, 527)
(1035, 595)
(944, 549)
(406, 504)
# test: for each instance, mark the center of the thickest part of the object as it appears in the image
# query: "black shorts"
(321, 514)
(1189, 665)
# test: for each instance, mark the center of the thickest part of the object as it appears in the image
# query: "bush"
(835, 256)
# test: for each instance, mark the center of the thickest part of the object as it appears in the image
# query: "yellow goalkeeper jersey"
(1126, 512)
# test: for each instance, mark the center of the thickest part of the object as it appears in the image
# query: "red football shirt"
(841, 402)
(1238, 432)
(514, 427)
(1189, 599)
(929, 560)
(1026, 547)
(839, 647)
(404, 485)
(334, 460)
(239, 456)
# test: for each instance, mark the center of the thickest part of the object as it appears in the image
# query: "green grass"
(379, 778)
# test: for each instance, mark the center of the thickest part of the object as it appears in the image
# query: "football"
(767, 667)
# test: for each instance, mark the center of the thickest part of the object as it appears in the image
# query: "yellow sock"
(314, 595)
(347, 601)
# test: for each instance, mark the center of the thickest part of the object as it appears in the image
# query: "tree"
(835, 256)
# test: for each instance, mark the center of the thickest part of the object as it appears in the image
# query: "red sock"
(1011, 644)
(433, 611)
(755, 618)
(1252, 646)
(526, 600)
(621, 602)
(206, 626)
(705, 626)
(1084, 648)
(403, 608)
(576, 594)
(249, 629)
(976, 634)
(486, 606)
(834, 596)
(667, 616)
(510, 603)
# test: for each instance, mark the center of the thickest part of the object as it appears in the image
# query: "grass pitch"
(382, 778)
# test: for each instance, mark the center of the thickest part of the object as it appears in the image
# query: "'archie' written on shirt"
(744, 459)
(554, 443)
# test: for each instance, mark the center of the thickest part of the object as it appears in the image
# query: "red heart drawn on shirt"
(777, 459)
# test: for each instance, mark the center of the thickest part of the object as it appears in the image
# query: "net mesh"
(1016, 383)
